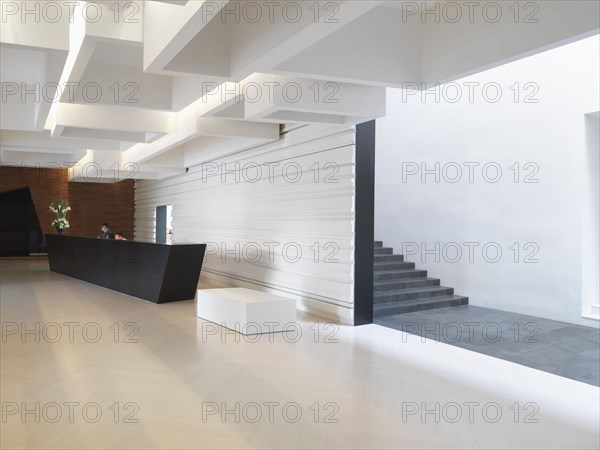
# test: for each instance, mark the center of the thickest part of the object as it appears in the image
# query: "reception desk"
(159, 273)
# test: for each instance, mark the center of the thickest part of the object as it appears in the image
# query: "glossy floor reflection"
(85, 367)
(568, 350)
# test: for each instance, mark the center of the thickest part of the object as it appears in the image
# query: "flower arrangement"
(60, 207)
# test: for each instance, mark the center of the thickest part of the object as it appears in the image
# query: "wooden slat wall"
(230, 215)
(91, 203)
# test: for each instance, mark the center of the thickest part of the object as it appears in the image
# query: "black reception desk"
(159, 273)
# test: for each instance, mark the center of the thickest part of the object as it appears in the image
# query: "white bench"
(244, 310)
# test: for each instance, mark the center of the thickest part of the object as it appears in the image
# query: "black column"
(364, 223)
(20, 231)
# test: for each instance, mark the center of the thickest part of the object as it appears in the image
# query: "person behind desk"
(106, 233)
(119, 236)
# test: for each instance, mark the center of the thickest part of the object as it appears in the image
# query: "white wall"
(547, 141)
(254, 230)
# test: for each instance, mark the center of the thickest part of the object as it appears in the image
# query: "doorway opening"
(164, 220)
(590, 264)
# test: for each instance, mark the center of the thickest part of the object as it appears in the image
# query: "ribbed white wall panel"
(237, 217)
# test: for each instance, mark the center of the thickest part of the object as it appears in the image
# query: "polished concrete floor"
(564, 349)
(85, 367)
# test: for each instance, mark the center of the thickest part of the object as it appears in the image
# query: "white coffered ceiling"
(139, 80)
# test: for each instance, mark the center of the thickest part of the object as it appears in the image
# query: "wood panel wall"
(91, 203)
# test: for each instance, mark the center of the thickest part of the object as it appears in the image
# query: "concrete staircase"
(399, 288)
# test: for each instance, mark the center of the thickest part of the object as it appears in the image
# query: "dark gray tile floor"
(565, 349)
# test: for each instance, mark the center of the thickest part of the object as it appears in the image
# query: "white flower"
(60, 208)
(60, 223)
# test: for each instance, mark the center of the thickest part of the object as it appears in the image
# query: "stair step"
(399, 288)
(379, 266)
(383, 250)
(398, 274)
(399, 295)
(390, 309)
(404, 283)
(379, 258)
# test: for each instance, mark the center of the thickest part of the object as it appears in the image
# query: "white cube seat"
(245, 311)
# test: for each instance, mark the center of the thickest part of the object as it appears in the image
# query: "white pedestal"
(245, 311)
